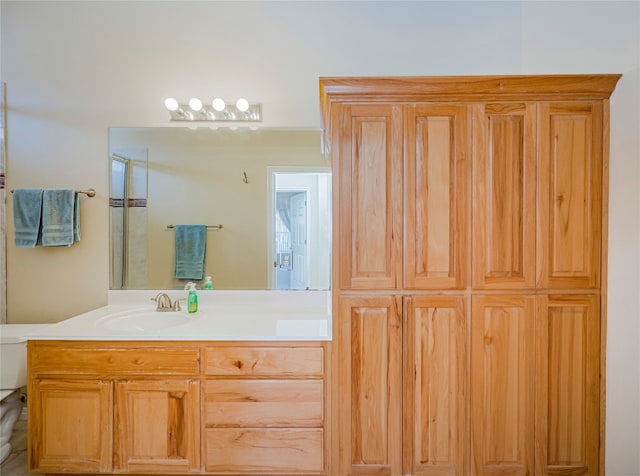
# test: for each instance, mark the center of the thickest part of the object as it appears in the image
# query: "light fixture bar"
(222, 111)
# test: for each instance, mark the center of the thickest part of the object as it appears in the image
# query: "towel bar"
(211, 227)
(89, 193)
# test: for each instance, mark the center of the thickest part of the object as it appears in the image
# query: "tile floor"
(16, 463)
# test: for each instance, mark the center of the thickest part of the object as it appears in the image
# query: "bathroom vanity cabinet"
(470, 270)
(177, 407)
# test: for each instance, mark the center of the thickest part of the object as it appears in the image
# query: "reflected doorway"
(300, 243)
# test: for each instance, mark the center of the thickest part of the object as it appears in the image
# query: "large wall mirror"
(264, 194)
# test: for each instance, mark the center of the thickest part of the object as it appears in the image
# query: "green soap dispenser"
(208, 284)
(192, 298)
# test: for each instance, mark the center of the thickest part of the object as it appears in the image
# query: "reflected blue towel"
(76, 217)
(27, 210)
(191, 242)
(58, 217)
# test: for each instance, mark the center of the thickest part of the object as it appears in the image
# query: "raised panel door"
(567, 385)
(504, 196)
(502, 385)
(369, 183)
(435, 395)
(435, 191)
(158, 425)
(70, 425)
(370, 386)
(570, 194)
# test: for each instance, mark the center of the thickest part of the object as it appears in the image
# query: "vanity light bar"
(217, 110)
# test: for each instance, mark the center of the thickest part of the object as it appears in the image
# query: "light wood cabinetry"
(383, 244)
(435, 196)
(435, 388)
(158, 425)
(567, 424)
(177, 407)
(70, 425)
(504, 195)
(371, 181)
(121, 407)
(502, 384)
(469, 211)
(570, 194)
(370, 386)
(264, 409)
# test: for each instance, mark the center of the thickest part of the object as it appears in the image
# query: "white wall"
(75, 68)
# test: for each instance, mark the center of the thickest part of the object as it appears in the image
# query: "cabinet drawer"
(264, 361)
(264, 403)
(65, 358)
(264, 451)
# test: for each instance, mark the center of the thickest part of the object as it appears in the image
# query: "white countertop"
(222, 315)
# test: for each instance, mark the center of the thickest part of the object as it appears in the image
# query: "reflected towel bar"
(209, 227)
(89, 193)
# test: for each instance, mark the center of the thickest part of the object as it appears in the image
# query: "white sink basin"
(142, 320)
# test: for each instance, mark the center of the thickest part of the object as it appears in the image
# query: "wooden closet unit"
(469, 273)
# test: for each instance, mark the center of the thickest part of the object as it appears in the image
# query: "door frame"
(272, 171)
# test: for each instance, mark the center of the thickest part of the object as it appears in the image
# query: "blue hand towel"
(76, 217)
(58, 213)
(191, 242)
(27, 210)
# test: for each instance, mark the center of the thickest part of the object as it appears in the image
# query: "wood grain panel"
(570, 195)
(502, 385)
(465, 88)
(435, 197)
(264, 403)
(504, 196)
(370, 406)
(567, 385)
(370, 227)
(158, 425)
(435, 334)
(260, 451)
(70, 425)
(112, 358)
(264, 361)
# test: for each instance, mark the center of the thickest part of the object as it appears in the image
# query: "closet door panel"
(435, 196)
(567, 385)
(570, 195)
(504, 196)
(370, 181)
(370, 375)
(435, 369)
(502, 385)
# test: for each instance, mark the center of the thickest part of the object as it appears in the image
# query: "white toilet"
(13, 376)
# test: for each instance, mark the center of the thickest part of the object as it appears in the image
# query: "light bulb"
(195, 104)
(242, 104)
(218, 104)
(171, 104)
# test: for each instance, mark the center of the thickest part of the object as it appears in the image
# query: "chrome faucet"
(165, 304)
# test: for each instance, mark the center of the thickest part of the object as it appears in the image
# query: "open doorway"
(300, 235)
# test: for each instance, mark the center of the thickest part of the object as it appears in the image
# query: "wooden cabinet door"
(435, 191)
(504, 196)
(502, 385)
(368, 172)
(567, 385)
(158, 425)
(435, 372)
(370, 386)
(570, 194)
(70, 425)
